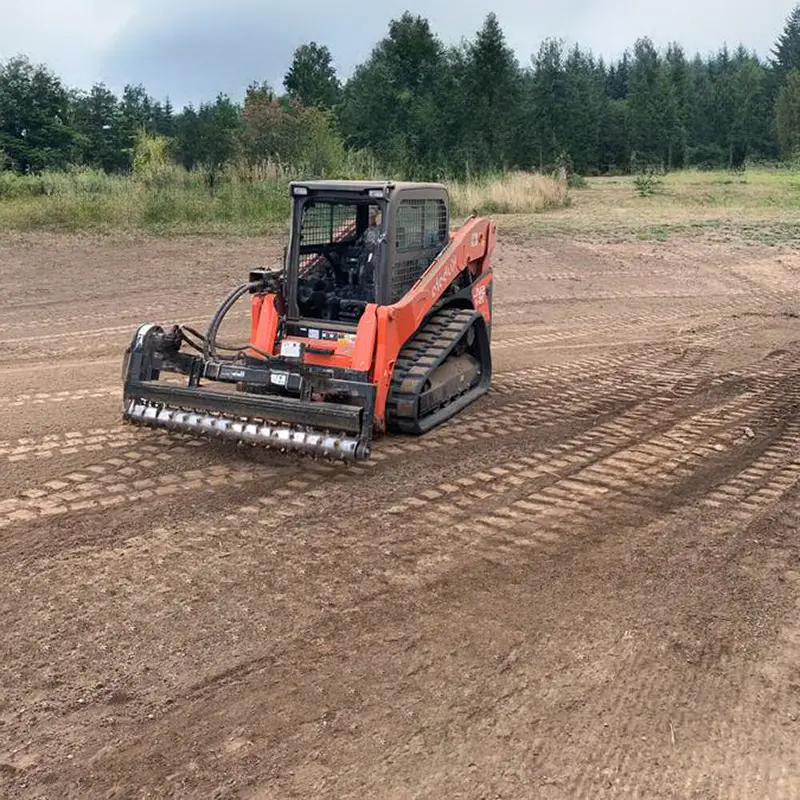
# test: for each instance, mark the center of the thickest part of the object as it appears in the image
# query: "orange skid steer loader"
(379, 321)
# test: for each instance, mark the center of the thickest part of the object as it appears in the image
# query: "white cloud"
(71, 36)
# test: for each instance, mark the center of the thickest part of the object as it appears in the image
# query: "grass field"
(761, 204)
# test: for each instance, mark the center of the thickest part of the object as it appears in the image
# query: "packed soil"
(585, 585)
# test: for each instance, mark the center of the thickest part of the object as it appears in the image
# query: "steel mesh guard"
(421, 234)
(325, 223)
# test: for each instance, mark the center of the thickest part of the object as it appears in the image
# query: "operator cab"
(358, 242)
(337, 258)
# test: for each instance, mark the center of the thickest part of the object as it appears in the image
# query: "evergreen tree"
(678, 116)
(787, 115)
(390, 104)
(618, 78)
(186, 147)
(492, 85)
(163, 119)
(220, 126)
(135, 115)
(583, 111)
(311, 79)
(722, 71)
(548, 103)
(786, 52)
(96, 118)
(749, 132)
(429, 111)
(702, 149)
(647, 104)
(210, 136)
(615, 150)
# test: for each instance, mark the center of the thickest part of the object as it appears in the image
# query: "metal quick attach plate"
(309, 441)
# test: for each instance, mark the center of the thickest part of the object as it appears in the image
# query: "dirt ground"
(587, 585)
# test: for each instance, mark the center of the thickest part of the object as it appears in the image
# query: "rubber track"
(420, 356)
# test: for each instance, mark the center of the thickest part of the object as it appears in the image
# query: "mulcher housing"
(380, 320)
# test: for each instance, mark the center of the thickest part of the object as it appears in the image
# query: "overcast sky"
(190, 50)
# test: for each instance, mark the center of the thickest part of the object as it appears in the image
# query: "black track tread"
(419, 357)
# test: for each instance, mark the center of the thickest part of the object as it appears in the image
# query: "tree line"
(423, 109)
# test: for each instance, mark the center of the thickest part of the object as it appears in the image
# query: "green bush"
(576, 181)
(648, 182)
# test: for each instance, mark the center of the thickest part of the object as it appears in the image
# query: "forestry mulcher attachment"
(379, 320)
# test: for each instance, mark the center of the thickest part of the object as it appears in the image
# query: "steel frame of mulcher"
(338, 430)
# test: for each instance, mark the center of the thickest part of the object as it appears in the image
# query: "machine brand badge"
(444, 276)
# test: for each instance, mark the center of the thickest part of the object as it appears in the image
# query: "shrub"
(648, 182)
(151, 159)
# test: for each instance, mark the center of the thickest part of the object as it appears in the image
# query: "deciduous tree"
(35, 131)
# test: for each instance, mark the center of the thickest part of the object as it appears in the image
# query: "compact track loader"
(379, 321)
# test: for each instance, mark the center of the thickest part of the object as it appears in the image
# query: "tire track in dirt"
(544, 380)
(583, 326)
(614, 468)
(365, 650)
(499, 380)
(163, 310)
(243, 679)
(728, 299)
(714, 332)
(126, 479)
(506, 274)
(741, 501)
(127, 330)
(762, 757)
(29, 399)
(458, 503)
(166, 313)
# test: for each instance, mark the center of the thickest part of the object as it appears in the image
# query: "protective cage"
(413, 228)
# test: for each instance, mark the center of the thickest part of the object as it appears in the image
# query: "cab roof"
(361, 187)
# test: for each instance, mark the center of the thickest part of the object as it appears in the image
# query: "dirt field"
(587, 585)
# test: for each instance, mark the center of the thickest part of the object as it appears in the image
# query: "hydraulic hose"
(210, 341)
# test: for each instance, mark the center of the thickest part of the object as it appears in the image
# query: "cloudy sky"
(191, 49)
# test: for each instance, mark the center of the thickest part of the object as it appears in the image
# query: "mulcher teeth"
(284, 437)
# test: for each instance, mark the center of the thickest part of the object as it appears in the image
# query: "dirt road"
(587, 585)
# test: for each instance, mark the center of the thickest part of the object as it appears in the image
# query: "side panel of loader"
(470, 249)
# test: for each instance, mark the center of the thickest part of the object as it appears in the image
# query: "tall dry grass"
(511, 193)
(240, 199)
(170, 199)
